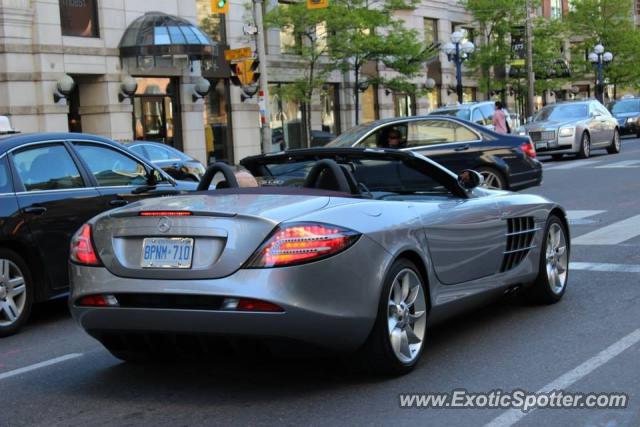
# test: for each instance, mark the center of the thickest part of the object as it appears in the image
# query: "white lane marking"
(512, 416)
(574, 164)
(621, 165)
(577, 214)
(613, 234)
(44, 364)
(598, 266)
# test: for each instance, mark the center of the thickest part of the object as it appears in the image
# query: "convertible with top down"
(346, 249)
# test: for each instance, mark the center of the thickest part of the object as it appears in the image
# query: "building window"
(217, 120)
(469, 94)
(79, 18)
(430, 31)
(404, 105)
(433, 98)
(329, 100)
(369, 104)
(287, 129)
(290, 42)
(556, 9)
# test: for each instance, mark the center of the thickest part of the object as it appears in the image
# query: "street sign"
(220, 6)
(239, 54)
(317, 4)
(245, 72)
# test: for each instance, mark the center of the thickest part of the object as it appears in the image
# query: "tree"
(309, 29)
(610, 23)
(365, 32)
(496, 20)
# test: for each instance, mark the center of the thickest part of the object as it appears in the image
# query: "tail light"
(165, 213)
(98, 301)
(82, 250)
(529, 149)
(299, 243)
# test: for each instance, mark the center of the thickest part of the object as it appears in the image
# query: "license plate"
(540, 145)
(174, 252)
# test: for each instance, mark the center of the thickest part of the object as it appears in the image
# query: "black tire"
(616, 145)
(9, 326)
(585, 146)
(499, 181)
(637, 135)
(557, 157)
(541, 291)
(377, 355)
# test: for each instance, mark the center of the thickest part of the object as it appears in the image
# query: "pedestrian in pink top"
(500, 119)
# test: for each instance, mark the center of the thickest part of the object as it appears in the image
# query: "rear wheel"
(553, 269)
(615, 146)
(397, 339)
(492, 178)
(16, 292)
(585, 146)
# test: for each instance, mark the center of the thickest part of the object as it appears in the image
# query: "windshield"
(351, 136)
(631, 106)
(562, 112)
(456, 112)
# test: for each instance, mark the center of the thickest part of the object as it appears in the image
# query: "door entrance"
(155, 111)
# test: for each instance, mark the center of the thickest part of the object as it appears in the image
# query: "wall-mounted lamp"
(201, 89)
(429, 84)
(64, 87)
(363, 86)
(387, 92)
(128, 88)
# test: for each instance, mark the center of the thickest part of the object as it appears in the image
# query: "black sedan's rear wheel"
(397, 339)
(492, 178)
(16, 292)
(585, 146)
(553, 270)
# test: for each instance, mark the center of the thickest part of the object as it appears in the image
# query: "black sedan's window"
(110, 167)
(47, 167)
(5, 177)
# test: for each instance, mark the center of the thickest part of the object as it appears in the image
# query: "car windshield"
(460, 113)
(378, 178)
(351, 136)
(562, 112)
(630, 106)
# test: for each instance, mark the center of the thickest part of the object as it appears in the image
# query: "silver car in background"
(576, 127)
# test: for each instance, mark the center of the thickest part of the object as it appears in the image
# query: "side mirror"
(470, 179)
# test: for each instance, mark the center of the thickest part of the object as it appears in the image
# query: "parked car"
(574, 127)
(338, 263)
(506, 161)
(50, 184)
(480, 113)
(174, 162)
(627, 112)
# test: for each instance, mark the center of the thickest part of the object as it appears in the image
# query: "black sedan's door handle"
(118, 202)
(463, 148)
(35, 210)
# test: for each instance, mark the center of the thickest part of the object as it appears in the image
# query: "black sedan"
(174, 162)
(506, 161)
(627, 113)
(50, 184)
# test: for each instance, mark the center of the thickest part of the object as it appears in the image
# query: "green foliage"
(610, 23)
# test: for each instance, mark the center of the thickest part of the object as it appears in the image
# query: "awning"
(159, 34)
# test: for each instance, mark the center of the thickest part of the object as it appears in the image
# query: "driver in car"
(394, 140)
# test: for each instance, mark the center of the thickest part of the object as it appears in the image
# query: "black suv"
(50, 184)
(627, 113)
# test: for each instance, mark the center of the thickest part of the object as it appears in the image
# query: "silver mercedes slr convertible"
(346, 249)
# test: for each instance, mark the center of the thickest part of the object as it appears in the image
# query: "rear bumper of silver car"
(331, 303)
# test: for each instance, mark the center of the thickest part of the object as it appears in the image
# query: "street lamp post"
(599, 58)
(457, 52)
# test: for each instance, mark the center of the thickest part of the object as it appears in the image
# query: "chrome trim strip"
(59, 190)
(515, 251)
(517, 233)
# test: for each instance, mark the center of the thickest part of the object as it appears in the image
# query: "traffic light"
(220, 6)
(317, 4)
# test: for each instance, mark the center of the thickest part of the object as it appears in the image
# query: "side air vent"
(520, 233)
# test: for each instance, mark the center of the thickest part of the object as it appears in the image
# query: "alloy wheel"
(406, 313)
(586, 145)
(13, 293)
(557, 258)
(616, 141)
(491, 180)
